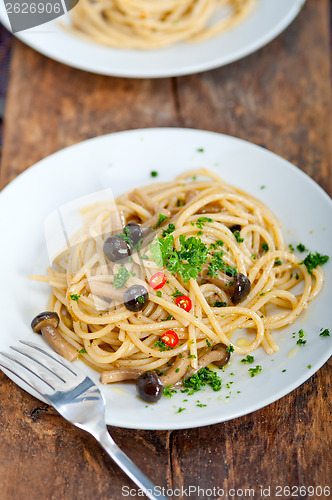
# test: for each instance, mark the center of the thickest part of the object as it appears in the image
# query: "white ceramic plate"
(269, 19)
(124, 160)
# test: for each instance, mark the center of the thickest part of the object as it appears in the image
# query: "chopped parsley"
(180, 410)
(265, 247)
(82, 351)
(140, 299)
(313, 260)
(297, 276)
(168, 318)
(277, 262)
(158, 293)
(248, 359)
(203, 377)
(187, 261)
(219, 304)
(283, 371)
(218, 243)
(200, 150)
(162, 218)
(168, 391)
(325, 332)
(201, 405)
(177, 293)
(216, 264)
(309, 366)
(75, 296)
(177, 370)
(300, 247)
(255, 371)
(238, 237)
(301, 342)
(291, 248)
(121, 277)
(201, 221)
(160, 344)
(179, 203)
(207, 343)
(169, 230)
(153, 173)
(230, 348)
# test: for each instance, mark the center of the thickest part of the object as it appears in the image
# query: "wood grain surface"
(279, 97)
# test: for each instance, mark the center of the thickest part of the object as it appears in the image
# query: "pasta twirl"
(149, 24)
(205, 238)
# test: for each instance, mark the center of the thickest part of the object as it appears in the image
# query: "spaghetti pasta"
(150, 24)
(225, 264)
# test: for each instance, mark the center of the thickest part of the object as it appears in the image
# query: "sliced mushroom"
(219, 356)
(47, 323)
(237, 287)
(176, 372)
(119, 375)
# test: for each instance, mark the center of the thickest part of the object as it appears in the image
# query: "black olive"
(242, 287)
(149, 387)
(116, 248)
(135, 298)
(134, 232)
(234, 228)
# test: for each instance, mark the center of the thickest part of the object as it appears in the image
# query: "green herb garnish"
(82, 351)
(248, 359)
(300, 247)
(265, 247)
(203, 377)
(75, 296)
(230, 348)
(313, 260)
(121, 277)
(153, 173)
(161, 219)
(201, 221)
(160, 344)
(255, 371)
(238, 237)
(219, 304)
(324, 333)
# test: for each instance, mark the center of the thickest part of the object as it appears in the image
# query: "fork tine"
(30, 367)
(61, 361)
(34, 384)
(36, 359)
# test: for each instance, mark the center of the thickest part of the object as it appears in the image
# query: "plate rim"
(181, 424)
(257, 44)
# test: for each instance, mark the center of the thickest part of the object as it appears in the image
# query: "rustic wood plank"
(280, 98)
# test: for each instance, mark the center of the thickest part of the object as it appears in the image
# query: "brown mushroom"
(119, 375)
(237, 287)
(176, 372)
(47, 323)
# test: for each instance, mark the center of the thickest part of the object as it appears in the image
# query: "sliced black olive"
(116, 248)
(135, 298)
(149, 387)
(242, 287)
(234, 228)
(134, 232)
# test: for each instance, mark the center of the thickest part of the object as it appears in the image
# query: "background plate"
(124, 160)
(269, 18)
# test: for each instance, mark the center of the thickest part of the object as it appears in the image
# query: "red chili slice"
(184, 302)
(170, 338)
(157, 281)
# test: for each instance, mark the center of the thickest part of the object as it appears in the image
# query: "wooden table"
(278, 97)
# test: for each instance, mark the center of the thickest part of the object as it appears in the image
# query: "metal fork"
(75, 396)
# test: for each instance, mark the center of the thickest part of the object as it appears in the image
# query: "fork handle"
(129, 467)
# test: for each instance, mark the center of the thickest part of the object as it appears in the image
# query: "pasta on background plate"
(150, 24)
(159, 285)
